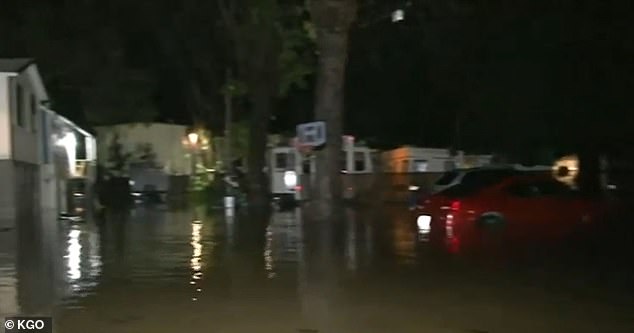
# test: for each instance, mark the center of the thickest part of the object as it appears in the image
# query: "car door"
(561, 207)
(522, 208)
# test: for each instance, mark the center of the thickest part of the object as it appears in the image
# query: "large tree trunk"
(257, 184)
(332, 20)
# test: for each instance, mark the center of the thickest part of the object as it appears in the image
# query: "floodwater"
(151, 270)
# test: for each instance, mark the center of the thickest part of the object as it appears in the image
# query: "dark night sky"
(521, 75)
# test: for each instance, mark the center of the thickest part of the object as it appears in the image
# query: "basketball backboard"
(312, 134)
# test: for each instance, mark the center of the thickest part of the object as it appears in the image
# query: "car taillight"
(450, 222)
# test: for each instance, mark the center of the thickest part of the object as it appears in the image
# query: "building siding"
(19, 147)
(24, 139)
(5, 118)
(7, 195)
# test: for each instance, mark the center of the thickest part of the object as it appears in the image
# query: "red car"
(518, 207)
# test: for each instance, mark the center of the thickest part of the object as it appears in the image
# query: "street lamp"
(398, 15)
(193, 138)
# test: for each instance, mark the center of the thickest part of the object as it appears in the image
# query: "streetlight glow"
(193, 138)
(398, 15)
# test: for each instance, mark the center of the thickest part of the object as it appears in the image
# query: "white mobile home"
(288, 167)
(416, 159)
(165, 141)
(33, 139)
(150, 153)
(409, 159)
(21, 93)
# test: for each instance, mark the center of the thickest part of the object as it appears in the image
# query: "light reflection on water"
(8, 286)
(73, 255)
(196, 260)
(283, 241)
(82, 259)
(150, 248)
(145, 269)
(269, 265)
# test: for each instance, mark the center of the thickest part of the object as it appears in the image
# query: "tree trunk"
(332, 20)
(257, 184)
(589, 171)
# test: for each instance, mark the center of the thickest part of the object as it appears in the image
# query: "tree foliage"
(118, 158)
(265, 39)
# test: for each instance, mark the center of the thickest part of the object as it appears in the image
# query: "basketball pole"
(228, 120)
(228, 199)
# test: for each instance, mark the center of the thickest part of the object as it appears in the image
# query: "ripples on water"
(184, 250)
(151, 264)
(8, 285)
(170, 248)
(82, 261)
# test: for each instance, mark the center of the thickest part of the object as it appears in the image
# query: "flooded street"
(157, 271)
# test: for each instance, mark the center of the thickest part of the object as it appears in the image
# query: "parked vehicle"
(520, 207)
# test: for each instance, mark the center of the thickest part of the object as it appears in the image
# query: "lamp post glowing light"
(398, 15)
(193, 138)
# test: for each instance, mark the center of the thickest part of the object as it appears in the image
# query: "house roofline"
(25, 66)
(30, 61)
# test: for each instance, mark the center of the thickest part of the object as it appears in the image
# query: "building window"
(33, 114)
(359, 161)
(284, 161)
(420, 166)
(19, 102)
(306, 166)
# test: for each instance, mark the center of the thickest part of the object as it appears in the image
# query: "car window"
(447, 178)
(475, 181)
(486, 177)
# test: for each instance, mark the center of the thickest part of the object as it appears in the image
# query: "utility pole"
(228, 120)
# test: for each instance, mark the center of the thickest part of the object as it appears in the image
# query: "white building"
(166, 141)
(288, 167)
(408, 159)
(417, 159)
(31, 141)
(21, 93)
